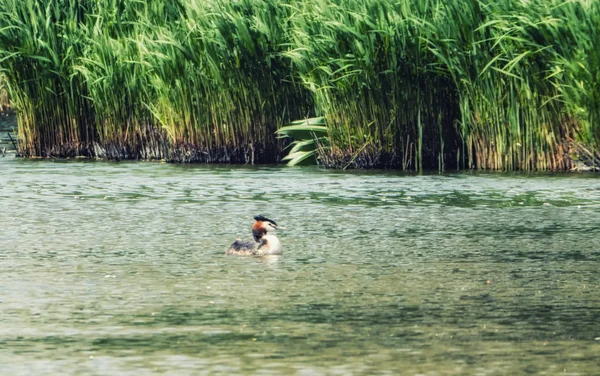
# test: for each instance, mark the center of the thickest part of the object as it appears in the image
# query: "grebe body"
(265, 243)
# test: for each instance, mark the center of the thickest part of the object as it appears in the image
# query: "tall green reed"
(484, 84)
(374, 81)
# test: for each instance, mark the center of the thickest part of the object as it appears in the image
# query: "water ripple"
(118, 268)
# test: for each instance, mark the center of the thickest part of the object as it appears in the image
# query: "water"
(119, 269)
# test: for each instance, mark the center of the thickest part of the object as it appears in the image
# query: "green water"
(119, 269)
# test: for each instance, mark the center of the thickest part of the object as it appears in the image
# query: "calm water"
(118, 269)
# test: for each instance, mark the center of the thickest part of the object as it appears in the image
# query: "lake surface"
(119, 269)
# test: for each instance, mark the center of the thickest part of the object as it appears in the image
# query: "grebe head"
(262, 226)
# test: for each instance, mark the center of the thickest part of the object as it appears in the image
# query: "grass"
(476, 84)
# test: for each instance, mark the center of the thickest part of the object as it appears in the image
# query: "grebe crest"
(265, 243)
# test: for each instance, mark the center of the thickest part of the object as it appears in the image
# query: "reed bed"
(477, 84)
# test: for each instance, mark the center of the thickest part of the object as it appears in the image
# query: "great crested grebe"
(264, 243)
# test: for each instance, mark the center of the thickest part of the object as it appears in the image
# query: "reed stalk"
(4, 101)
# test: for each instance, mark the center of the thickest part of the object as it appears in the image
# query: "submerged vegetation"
(486, 84)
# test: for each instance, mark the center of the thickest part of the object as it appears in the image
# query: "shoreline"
(163, 150)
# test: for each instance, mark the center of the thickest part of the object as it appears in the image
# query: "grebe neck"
(269, 245)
